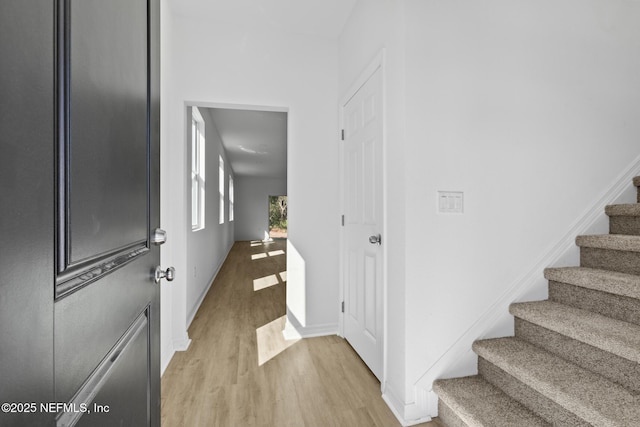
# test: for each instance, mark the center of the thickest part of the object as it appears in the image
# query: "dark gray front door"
(79, 122)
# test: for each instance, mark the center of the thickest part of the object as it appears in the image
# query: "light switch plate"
(450, 202)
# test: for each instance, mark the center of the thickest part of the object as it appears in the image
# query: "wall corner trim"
(407, 414)
(167, 354)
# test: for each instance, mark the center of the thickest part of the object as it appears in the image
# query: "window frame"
(231, 198)
(198, 188)
(221, 199)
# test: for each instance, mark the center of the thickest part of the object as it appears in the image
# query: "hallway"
(239, 370)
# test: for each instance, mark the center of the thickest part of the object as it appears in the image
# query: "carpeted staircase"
(575, 358)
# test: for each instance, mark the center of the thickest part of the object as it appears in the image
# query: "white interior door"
(363, 210)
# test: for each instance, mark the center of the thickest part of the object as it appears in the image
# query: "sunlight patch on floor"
(262, 255)
(270, 340)
(265, 282)
(283, 276)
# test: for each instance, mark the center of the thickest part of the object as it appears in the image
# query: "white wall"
(530, 108)
(252, 205)
(208, 248)
(222, 63)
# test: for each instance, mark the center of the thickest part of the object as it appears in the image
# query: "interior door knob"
(169, 274)
(375, 239)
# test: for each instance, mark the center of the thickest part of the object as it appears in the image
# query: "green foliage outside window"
(278, 213)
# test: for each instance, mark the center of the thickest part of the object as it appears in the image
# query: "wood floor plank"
(240, 371)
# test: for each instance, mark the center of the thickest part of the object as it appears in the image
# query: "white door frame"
(173, 303)
(377, 63)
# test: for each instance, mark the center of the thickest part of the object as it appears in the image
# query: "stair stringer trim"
(497, 317)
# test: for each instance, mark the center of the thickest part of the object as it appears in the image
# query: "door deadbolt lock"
(169, 274)
(158, 237)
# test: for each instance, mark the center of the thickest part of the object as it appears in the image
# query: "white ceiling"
(255, 141)
(323, 18)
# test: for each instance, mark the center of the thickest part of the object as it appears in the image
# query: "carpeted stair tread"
(615, 336)
(632, 209)
(612, 282)
(624, 219)
(584, 393)
(616, 242)
(478, 403)
(575, 358)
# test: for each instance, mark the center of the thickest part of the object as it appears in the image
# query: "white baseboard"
(202, 296)
(168, 352)
(459, 359)
(182, 344)
(291, 332)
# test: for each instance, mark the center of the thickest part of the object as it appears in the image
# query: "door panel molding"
(76, 277)
(363, 263)
(86, 394)
(89, 114)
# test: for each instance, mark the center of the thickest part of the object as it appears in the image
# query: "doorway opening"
(277, 217)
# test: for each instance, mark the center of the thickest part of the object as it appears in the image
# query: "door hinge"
(343, 134)
(343, 306)
(343, 220)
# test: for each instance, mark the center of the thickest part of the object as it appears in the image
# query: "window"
(278, 217)
(197, 170)
(230, 198)
(221, 187)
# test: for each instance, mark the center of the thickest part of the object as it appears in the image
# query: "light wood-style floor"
(240, 372)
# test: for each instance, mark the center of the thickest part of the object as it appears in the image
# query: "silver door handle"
(169, 274)
(375, 240)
